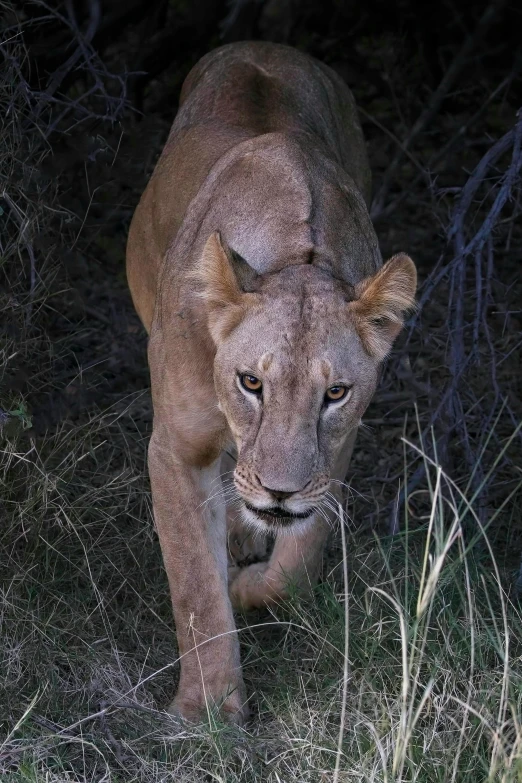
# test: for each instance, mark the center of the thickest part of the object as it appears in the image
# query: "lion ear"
(226, 280)
(381, 302)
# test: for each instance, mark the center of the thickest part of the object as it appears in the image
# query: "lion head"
(297, 361)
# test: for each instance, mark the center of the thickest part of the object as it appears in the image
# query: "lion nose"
(278, 494)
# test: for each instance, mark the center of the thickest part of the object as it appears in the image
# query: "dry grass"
(434, 682)
(413, 672)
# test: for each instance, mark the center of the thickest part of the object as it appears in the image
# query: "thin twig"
(435, 101)
(60, 74)
(337, 769)
(440, 155)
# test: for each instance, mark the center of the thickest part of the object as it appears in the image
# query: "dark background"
(437, 85)
(89, 94)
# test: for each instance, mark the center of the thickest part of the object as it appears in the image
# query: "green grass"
(434, 681)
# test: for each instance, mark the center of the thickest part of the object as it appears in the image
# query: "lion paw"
(255, 586)
(191, 707)
(244, 547)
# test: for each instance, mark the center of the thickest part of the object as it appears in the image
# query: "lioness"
(255, 268)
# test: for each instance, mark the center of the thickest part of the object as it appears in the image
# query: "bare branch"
(435, 101)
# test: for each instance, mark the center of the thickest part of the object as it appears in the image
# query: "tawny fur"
(381, 302)
(265, 162)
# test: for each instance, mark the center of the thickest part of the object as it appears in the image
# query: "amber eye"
(251, 383)
(336, 393)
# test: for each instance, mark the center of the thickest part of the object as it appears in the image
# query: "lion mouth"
(278, 514)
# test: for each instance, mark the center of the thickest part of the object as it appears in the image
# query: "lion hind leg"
(244, 545)
(293, 565)
(295, 561)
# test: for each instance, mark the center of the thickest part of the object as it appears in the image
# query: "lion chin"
(276, 520)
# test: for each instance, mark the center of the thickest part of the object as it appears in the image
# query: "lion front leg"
(192, 534)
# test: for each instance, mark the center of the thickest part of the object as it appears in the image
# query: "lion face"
(296, 365)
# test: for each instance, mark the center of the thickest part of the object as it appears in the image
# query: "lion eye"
(251, 383)
(336, 393)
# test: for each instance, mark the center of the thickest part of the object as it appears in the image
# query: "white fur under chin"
(257, 525)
